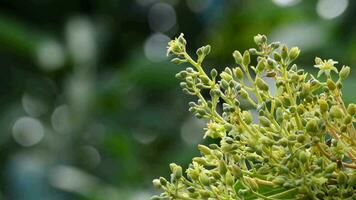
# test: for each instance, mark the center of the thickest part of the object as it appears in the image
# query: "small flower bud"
(318, 61)
(246, 59)
(279, 180)
(252, 183)
(351, 109)
(331, 85)
(312, 126)
(336, 112)
(344, 72)
(347, 120)
(247, 117)
(204, 179)
(224, 84)
(342, 178)
(229, 178)
(238, 73)
(200, 52)
(236, 171)
(330, 168)
(226, 76)
(264, 121)
(301, 138)
(206, 49)
(176, 170)
(284, 52)
(243, 93)
(213, 73)
(277, 57)
(204, 149)
(294, 53)
(261, 84)
(157, 183)
(352, 180)
(283, 142)
(261, 65)
(163, 181)
(302, 157)
(178, 61)
(238, 57)
(259, 39)
(323, 106)
(266, 141)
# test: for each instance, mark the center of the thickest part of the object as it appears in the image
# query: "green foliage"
(302, 147)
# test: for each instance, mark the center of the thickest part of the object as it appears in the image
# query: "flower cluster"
(292, 139)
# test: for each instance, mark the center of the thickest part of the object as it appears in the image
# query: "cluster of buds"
(295, 141)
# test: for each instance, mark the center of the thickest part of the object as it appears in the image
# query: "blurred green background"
(89, 106)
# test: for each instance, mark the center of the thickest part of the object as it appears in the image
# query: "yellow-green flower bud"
(302, 157)
(301, 138)
(213, 73)
(330, 168)
(264, 121)
(157, 183)
(204, 179)
(176, 170)
(261, 84)
(347, 120)
(279, 180)
(226, 76)
(246, 59)
(351, 109)
(344, 72)
(336, 112)
(204, 149)
(163, 181)
(238, 73)
(206, 49)
(178, 61)
(252, 183)
(312, 126)
(352, 180)
(342, 178)
(243, 93)
(259, 39)
(277, 57)
(284, 52)
(318, 60)
(236, 171)
(229, 178)
(283, 142)
(294, 53)
(324, 106)
(238, 57)
(261, 65)
(331, 85)
(247, 117)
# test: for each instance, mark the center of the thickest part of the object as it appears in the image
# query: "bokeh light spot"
(161, 17)
(90, 156)
(155, 47)
(286, 3)
(198, 6)
(27, 131)
(33, 106)
(50, 55)
(191, 131)
(61, 119)
(329, 9)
